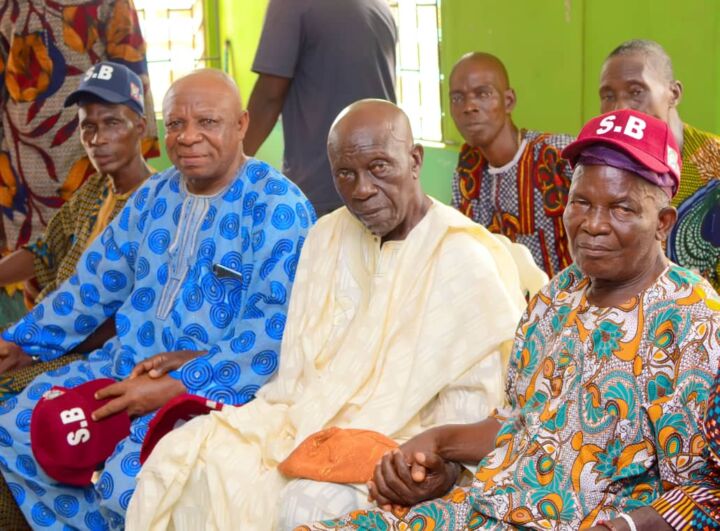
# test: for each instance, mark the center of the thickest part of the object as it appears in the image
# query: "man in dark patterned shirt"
(511, 180)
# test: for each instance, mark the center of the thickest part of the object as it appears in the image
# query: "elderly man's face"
(204, 129)
(110, 134)
(612, 221)
(376, 176)
(478, 103)
(632, 81)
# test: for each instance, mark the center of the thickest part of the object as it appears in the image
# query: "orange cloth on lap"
(337, 455)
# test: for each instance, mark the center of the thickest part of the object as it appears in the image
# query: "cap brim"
(99, 92)
(573, 151)
(183, 407)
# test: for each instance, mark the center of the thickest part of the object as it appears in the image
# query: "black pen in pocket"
(225, 272)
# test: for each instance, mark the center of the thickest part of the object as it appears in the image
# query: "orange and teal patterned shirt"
(696, 505)
(605, 406)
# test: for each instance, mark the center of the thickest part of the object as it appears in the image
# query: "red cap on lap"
(67, 443)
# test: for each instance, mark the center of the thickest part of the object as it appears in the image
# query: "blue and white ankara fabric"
(180, 272)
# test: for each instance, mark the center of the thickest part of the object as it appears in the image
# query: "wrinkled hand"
(138, 396)
(412, 474)
(12, 357)
(161, 364)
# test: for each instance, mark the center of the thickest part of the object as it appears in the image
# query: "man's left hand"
(138, 396)
(161, 364)
(399, 483)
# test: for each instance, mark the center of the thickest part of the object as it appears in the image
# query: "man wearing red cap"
(612, 366)
(638, 75)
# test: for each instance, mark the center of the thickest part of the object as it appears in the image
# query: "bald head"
(481, 101)
(376, 167)
(486, 62)
(204, 128)
(374, 117)
(215, 82)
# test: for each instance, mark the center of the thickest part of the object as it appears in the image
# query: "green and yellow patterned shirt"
(68, 232)
(694, 241)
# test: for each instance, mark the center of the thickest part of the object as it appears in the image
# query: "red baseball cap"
(645, 138)
(67, 443)
(173, 415)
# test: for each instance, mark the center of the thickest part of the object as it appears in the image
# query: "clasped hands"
(413, 473)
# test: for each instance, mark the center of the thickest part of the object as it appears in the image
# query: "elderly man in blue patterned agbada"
(197, 269)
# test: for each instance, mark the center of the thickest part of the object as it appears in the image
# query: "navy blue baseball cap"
(112, 83)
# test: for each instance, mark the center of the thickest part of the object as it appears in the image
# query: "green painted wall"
(240, 24)
(539, 41)
(162, 162)
(690, 32)
(553, 50)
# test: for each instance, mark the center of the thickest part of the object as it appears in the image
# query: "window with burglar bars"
(418, 65)
(174, 31)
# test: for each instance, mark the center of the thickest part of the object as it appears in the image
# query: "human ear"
(418, 154)
(676, 89)
(510, 100)
(243, 123)
(666, 219)
(141, 125)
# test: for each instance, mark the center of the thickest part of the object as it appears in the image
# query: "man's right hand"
(12, 357)
(412, 474)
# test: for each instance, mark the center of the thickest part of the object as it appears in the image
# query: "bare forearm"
(17, 267)
(467, 443)
(264, 107)
(647, 519)
(263, 117)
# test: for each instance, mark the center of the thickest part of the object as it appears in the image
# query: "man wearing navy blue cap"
(112, 124)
